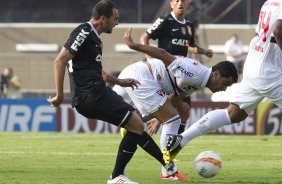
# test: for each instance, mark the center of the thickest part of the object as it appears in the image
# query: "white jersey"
(264, 58)
(185, 75)
(263, 65)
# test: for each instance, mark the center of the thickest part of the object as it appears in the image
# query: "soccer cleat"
(170, 169)
(123, 132)
(121, 179)
(175, 176)
(172, 149)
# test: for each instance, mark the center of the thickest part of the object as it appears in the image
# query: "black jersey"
(172, 35)
(85, 69)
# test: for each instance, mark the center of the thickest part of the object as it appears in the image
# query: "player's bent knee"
(236, 114)
(135, 124)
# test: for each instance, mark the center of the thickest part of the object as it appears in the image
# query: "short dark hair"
(103, 8)
(226, 69)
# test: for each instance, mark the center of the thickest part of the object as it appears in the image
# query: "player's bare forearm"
(59, 73)
(60, 64)
(195, 49)
(144, 40)
(147, 49)
(109, 78)
(128, 82)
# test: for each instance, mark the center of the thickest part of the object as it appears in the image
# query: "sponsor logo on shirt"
(183, 70)
(79, 40)
(181, 42)
(155, 25)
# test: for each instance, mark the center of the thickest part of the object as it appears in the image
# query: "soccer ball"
(208, 164)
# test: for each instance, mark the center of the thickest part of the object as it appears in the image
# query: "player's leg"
(210, 121)
(135, 135)
(243, 99)
(151, 100)
(122, 92)
(167, 114)
(111, 108)
(149, 97)
(183, 110)
(170, 120)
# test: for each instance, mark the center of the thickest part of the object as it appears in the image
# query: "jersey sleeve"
(157, 28)
(77, 39)
(192, 27)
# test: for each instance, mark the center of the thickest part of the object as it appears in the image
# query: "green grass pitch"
(57, 158)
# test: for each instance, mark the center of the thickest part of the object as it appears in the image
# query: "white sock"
(211, 121)
(169, 127)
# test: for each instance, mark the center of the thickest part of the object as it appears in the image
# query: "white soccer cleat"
(121, 179)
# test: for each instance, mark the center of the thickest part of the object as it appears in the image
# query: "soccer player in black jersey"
(176, 34)
(82, 55)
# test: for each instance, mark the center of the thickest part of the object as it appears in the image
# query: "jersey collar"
(173, 15)
(94, 30)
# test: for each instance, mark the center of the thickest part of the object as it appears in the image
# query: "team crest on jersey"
(98, 58)
(195, 63)
(189, 30)
(161, 92)
(183, 30)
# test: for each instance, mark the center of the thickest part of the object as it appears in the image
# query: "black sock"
(127, 148)
(181, 127)
(146, 142)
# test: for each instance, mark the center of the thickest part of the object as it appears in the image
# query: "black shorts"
(109, 107)
(187, 99)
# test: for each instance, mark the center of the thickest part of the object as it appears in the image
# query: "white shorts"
(149, 97)
(248, 97)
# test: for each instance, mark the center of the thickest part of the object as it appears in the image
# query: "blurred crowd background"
(131, 11)
(33, 31)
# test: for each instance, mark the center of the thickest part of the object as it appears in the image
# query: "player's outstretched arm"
(147, 49)
(278, 33)
(60, 64)
(127, 82)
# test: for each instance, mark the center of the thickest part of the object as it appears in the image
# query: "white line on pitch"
(56, 153)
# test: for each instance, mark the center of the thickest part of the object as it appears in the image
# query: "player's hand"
(153, 126)
(55, 101)
(209, 53)
(128, 39)
(129, 83)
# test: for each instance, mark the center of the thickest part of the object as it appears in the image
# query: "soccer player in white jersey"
(169, 74)
(261, 78)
